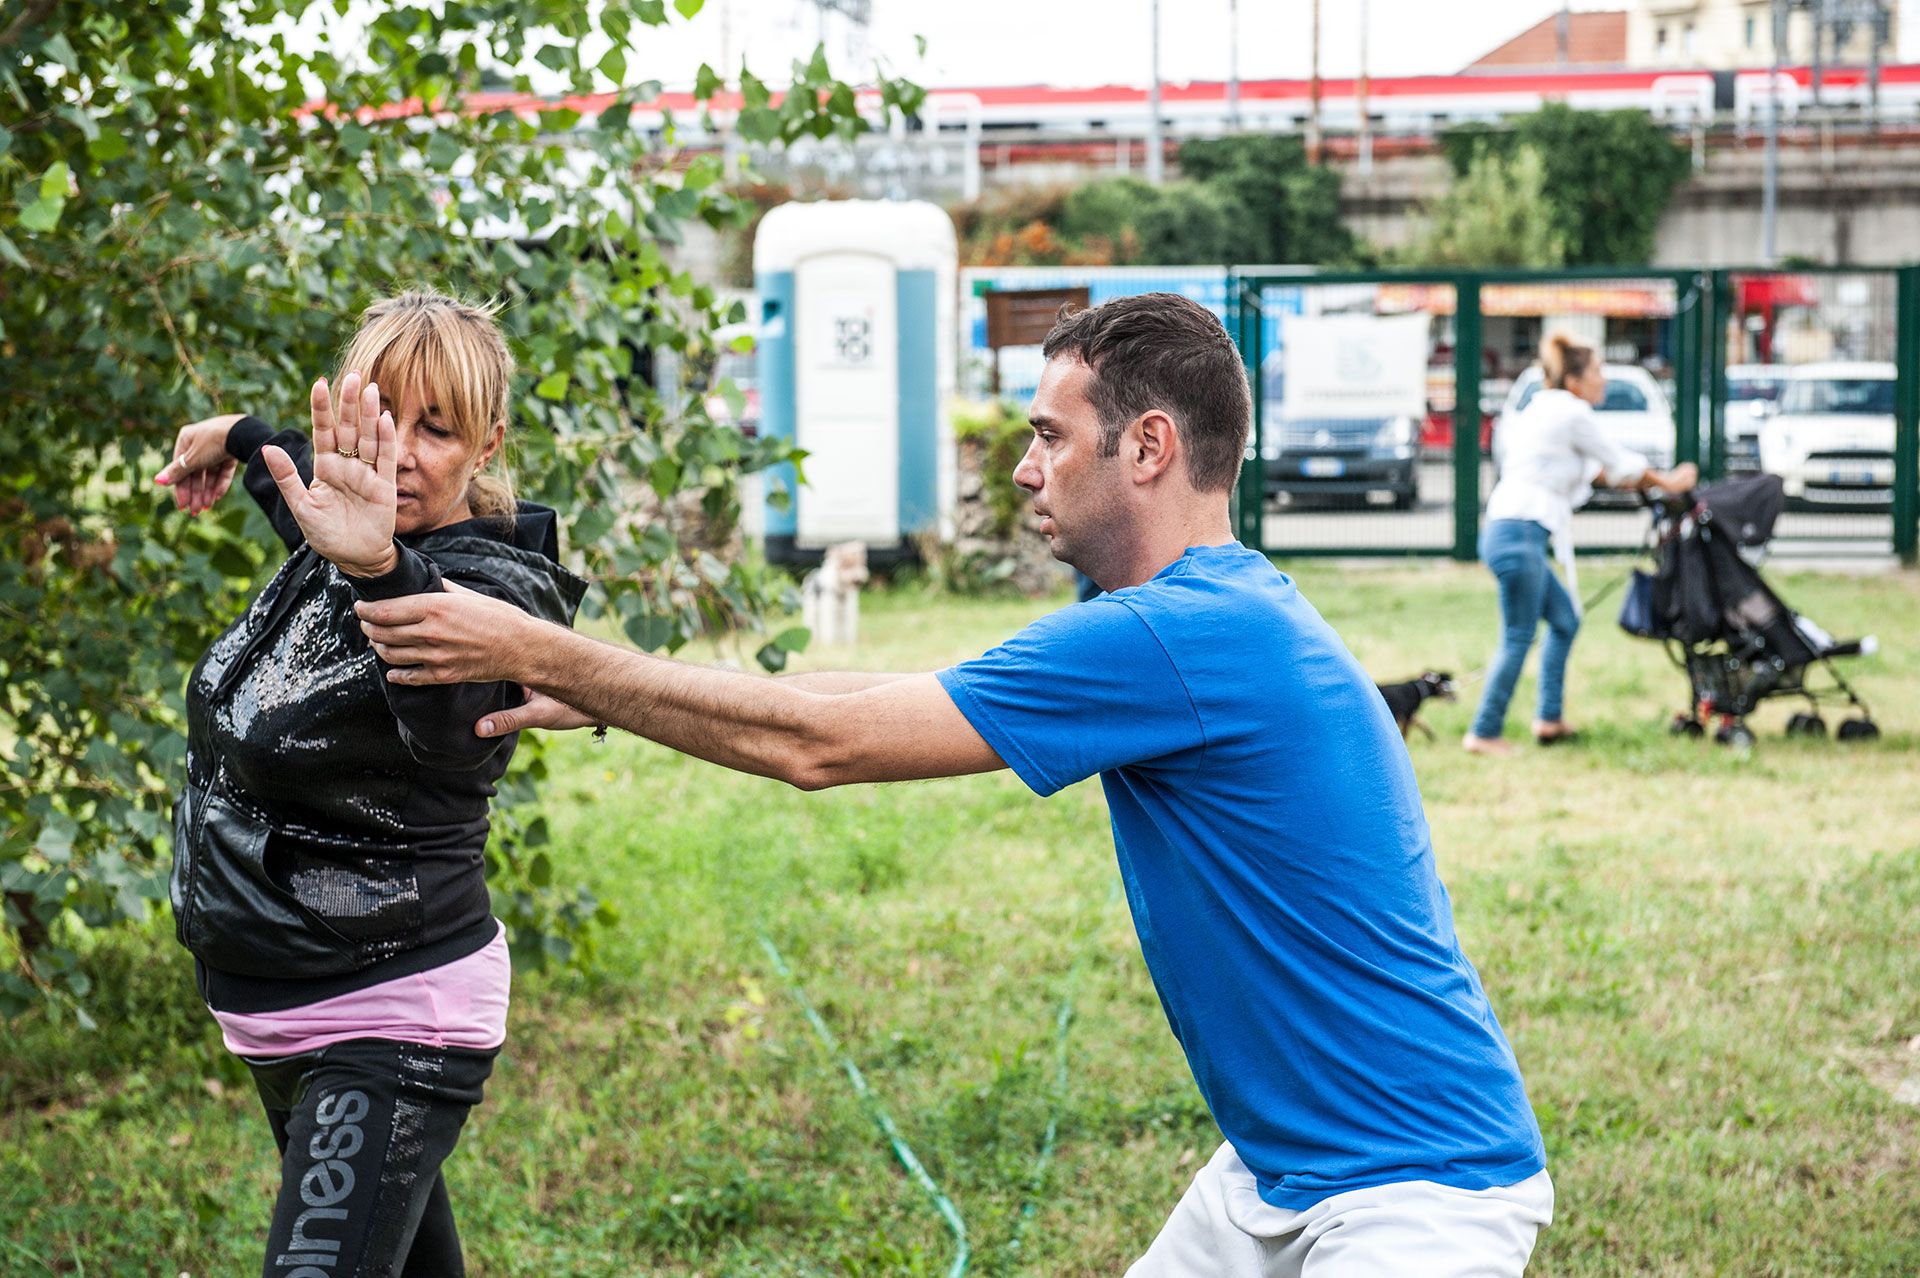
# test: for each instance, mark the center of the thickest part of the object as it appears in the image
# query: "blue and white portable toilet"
(856, 365)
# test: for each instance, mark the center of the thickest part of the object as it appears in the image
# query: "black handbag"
(1636, 608)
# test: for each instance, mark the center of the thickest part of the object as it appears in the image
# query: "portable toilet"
(856, 366)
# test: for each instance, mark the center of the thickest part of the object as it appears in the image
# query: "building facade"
(1738, 34)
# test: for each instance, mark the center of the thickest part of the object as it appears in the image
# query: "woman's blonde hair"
(1564, 359)
(453, 352)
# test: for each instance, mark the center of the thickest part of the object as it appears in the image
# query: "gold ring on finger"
(348, 452)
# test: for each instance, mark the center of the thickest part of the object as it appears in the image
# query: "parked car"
(1343, 457)
(1753, 395)
(1831, 443)
(1635, 413)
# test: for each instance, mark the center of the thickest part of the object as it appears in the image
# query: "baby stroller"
(1724, 626)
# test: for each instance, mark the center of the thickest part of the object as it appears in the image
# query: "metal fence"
(1379, 398)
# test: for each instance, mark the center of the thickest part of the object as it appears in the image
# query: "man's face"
(1077, 493)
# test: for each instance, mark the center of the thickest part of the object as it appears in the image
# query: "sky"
(1074, 42)
(1080, 42)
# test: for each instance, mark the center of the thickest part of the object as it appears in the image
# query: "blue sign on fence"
(1020, 366)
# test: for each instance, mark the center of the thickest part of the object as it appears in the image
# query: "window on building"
(1660, 43)
(1752, 27)
(1686, 41)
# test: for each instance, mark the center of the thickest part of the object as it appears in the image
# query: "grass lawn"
(1707, 964)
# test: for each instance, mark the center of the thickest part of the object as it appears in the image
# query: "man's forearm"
(838, 682)
(768, 727)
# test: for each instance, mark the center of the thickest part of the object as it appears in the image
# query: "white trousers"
(1222, 1229)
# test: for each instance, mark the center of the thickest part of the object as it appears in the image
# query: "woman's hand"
(201, 471)
(348, 514)
(1676, 481)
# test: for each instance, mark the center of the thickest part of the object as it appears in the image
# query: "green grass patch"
(1706, 963)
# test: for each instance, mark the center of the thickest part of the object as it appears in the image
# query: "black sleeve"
(245, 439)
(437, 722)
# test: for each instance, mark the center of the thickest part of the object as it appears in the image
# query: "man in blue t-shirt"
(1269, 831)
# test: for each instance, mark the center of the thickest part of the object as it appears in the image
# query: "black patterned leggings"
(363, 1127)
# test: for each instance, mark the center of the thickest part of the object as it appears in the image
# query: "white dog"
(830, 595)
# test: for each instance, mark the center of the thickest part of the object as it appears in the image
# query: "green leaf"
(12, 254)
(80, 119)
(444, 150)
(651, 12)
(759, 124)
(354, 141)
(553, 386)
(6, 136)
(540, 873)
(648, 630)
(772, 659)
(60, 50)
(54, 182)
(688, 8)
(108, 146)
(705, 85)
(792, 640)
(42, 215)
(614, 66)
(56, 839)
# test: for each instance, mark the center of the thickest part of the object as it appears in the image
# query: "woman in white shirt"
(1553, 452)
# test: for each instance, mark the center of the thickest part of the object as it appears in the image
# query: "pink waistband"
(462, 1004)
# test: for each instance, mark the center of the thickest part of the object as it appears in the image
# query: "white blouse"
(1550, 453)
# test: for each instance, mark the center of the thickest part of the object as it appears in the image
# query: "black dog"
(1405, 699)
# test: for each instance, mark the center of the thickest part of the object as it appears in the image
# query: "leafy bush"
(1243, 199)
(1498, 214)
(1607, 175)
(184, 234)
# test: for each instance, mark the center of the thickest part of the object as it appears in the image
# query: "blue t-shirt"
(1280, 872)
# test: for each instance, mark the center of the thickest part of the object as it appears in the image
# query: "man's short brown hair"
(1163, 351)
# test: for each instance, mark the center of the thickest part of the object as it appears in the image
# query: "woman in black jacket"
(329, 844)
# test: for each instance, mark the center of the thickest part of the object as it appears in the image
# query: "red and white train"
(1416, 106)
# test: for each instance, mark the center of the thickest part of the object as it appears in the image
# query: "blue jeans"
(1516, 551)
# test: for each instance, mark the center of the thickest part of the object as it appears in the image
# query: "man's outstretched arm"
(898, 730)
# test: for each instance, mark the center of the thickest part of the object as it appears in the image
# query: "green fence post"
(1692, 299)
(1252, 491)
(1466, 417)
(1722, 310)
(1906, 434)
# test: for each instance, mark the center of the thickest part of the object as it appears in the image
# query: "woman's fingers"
(386, 449)
(321, 403)
(287, 477)
(346, 408)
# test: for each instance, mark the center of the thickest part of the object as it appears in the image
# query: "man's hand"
(539, 711)
(348, 514)
(456, 637)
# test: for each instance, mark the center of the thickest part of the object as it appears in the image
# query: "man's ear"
(1152, 443)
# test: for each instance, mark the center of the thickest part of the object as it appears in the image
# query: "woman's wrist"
(378, 567)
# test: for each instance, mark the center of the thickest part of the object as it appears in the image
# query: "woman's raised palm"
(347, 513)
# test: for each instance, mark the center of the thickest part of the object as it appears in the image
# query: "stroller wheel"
(1737, 735)
(1682, 726)
(1858, 730)
(1806, 725)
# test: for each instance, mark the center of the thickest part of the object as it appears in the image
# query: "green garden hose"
(962, 1255)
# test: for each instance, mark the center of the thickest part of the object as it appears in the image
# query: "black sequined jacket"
(332, 829)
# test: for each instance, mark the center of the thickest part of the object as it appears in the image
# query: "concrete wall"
(1839, 204)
